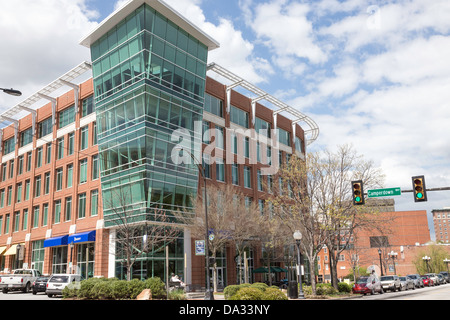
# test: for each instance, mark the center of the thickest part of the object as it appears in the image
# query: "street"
(441, 292)
(17, 295)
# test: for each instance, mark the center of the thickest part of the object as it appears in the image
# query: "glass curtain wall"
(149, 81)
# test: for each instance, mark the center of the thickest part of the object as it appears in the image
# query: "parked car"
(418, 283)
(20, 279)
(446, 276)
(366, 285)
(58, 282)
(433, 277)
(427, 281)
(40, 284)
(441, 278)
(407, 283)
(390, 283)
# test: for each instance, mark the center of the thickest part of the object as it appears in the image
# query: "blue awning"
(56, 241)
(82, 237)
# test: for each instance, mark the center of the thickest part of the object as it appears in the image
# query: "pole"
(299, 273)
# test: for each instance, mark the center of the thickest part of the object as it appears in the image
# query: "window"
(220, 170)
(239, 117)
(44, 214)
(11, 169)
(16, 222)
(27, 190)
(84, 138)
(60, 144)
(247, 177)
(94, 202)
(20, 165)
(260, 180)
(299, 145)
(235, 174)
(59, 179)
(37, 255)
(28, 161)
(9, 196)
(2, 198)
(88, 106)
(19, 192)
(66, 117)
(4, 167)
(7, 224)
(36, 217)
(48, 157)
(68, 209)
(57, 212)
(83, 171)
(71, 143)
(213, 105)
(9, 145)
(69, 175)
(39, 157)
(219, 137)
(37, 186)
(82, 205)
(26, 137)
(284, 137)
(47, 183)
(379, 242)
(25, 219)
(45, 127)
(95, 167)
(262, 127)
(94, 139)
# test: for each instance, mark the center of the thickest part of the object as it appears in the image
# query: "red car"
(427, 281)
(367, 285)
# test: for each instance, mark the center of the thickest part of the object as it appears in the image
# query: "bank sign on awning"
(82, 237)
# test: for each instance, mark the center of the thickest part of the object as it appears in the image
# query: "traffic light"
(419, 189)
(358, 192)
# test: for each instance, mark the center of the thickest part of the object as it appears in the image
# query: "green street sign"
(388, 192)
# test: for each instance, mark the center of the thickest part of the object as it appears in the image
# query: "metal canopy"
(46, 91)
(312, 132)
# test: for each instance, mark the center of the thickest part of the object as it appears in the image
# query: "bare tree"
(137, 233)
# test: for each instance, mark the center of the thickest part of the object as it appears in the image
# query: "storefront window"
(85, 259)
(59, 261)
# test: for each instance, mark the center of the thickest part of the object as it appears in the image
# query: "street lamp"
(447, 261)
(12, 92)
(427, 259)
(393, 255)
(298, 238)
(209, 294)
(381, 264)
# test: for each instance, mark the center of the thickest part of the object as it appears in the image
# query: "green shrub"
(135, 287)
(248, 293)
(69, 292)
(344, 287)
(325, 289)
(177, 294)
(274, 294)
(102, 290)
(230, 291)
(307, 290)
(157, 286)
(119, 289)
(259, 285)
(86, 287)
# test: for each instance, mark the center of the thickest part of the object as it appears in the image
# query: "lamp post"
(209, 294)
(393, 255)
(12, 92)
(427, 259)
(298, 238)
(447, 261)
(381, 263)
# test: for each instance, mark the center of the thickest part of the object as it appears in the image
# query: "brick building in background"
(62, 161)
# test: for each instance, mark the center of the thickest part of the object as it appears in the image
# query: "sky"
(374, 74)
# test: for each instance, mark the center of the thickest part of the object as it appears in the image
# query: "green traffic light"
(419, 195)
(358, 199)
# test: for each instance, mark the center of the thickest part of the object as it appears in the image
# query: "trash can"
(293, 289)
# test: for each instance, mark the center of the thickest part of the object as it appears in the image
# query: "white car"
(58, 282)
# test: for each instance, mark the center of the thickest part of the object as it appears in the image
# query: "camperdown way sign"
(388, 192)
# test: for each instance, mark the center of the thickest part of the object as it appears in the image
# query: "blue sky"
(373, 73)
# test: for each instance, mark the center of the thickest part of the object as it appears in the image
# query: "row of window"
(45, 127)
(61, 211)
(45, 156)
(23, 191)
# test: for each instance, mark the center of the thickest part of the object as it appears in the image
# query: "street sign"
(387, 192)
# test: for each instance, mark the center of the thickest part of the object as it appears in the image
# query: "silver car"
(407, 283)
(418, 283)
(390, 283)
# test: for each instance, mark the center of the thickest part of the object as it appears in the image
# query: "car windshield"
(386, 278)
(412, 276)
(424, 277)
(362, 280)
(42, 279)
(61, 279)
(403, 278)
